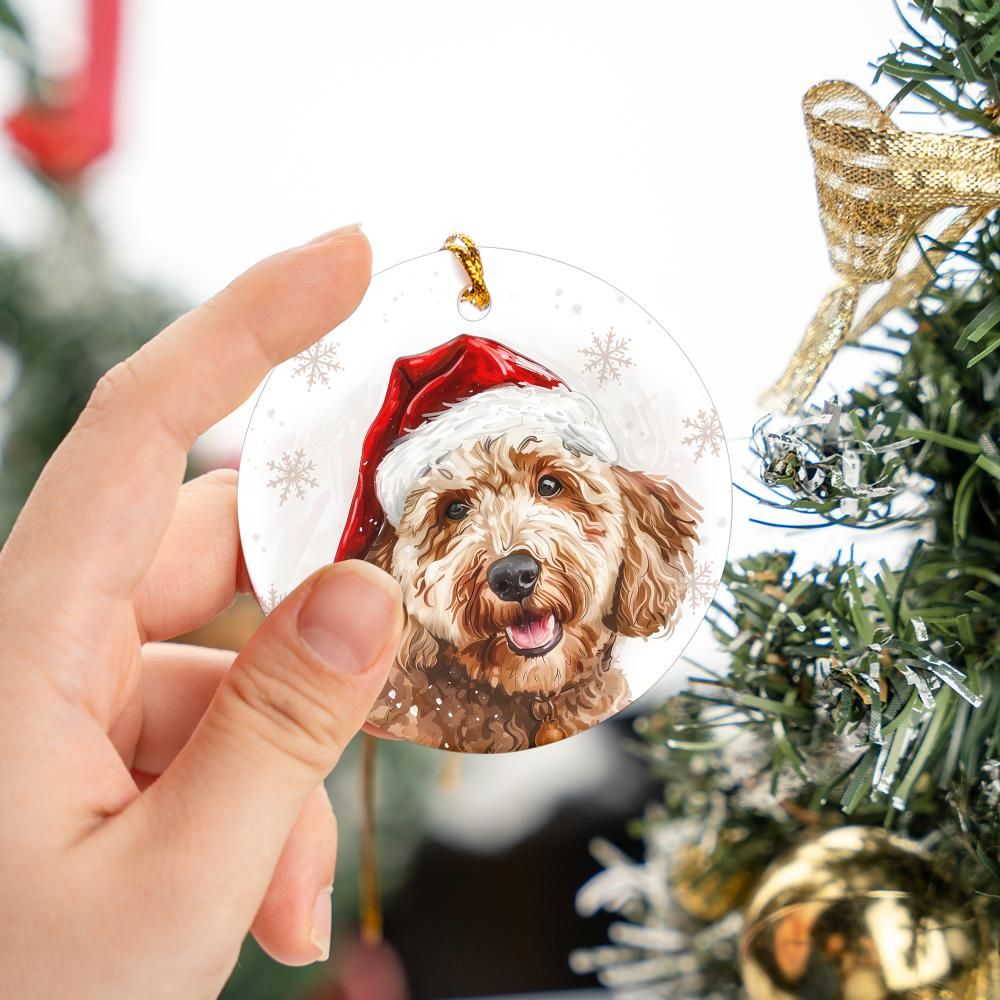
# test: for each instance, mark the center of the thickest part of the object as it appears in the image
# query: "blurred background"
(153, 151)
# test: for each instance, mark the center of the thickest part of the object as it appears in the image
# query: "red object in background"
(63, 137)
(421, 386)
(367, 973)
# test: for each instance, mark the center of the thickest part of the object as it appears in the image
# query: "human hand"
(116, 885)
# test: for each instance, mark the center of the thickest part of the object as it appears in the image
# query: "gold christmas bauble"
(859, 914)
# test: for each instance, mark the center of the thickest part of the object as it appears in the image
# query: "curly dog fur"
(614, 548)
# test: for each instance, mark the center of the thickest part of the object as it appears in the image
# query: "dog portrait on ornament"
(493, 493)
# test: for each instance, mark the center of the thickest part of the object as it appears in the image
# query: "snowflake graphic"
(706, 433)
(271, 600)
(292, 473)
(607, 356)
(701, 584)
(317, 363)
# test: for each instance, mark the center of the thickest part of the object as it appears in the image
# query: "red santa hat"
(466, 389)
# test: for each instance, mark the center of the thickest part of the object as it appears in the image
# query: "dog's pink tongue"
(534, 633)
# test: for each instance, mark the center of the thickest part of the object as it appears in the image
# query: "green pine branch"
(951, 60)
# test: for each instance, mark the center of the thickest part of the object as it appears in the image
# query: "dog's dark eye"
(456, 510)
(549, 486)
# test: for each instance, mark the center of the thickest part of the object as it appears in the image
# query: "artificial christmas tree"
(67, 313)
(856, 695)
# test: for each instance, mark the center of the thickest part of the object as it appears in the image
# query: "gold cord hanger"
(371, 901)
(467, 252)
(465, 249)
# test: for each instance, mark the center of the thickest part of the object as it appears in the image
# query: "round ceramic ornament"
(545, 477)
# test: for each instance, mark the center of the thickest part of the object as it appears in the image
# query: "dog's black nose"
(513, 578)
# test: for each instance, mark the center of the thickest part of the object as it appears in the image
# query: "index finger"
(102, 504)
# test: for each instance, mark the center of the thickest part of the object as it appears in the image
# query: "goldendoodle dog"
(521, 559)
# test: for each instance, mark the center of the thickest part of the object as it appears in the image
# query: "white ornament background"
(302, 450)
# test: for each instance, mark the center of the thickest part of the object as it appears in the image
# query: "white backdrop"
(659, 146)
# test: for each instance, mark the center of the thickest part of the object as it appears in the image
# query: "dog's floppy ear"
(418, 649)
(660, 538)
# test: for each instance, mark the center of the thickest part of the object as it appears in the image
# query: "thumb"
(291, 702)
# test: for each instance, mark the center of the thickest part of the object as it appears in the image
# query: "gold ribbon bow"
(878, 186)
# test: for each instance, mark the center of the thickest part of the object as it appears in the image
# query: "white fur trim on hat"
(555, 412)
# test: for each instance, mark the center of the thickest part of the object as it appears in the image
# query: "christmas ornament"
(878, 186)
(859, 914)
(533, 459)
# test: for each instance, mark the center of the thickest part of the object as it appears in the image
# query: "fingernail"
(333, 234)
(348, 615)
(322, 923)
